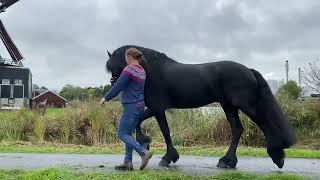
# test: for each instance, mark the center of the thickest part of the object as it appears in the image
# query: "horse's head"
(117, 61)
(116, 64)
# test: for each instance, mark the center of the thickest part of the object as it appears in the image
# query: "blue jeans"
(128, 123)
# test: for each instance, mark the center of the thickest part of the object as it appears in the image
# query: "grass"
(6, 114)
(53, 112)
(56, 173)
(27, 147)
(88, 123)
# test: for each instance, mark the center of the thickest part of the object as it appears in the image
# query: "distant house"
(15, 86)
(53, 99)
(37, 91)
(275, 85)
(315, 95)
(311, 97)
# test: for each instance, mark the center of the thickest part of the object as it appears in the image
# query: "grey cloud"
(66, 41)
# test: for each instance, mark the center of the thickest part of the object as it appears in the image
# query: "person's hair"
(135, 53)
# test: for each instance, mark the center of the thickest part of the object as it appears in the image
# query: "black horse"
(170, 84)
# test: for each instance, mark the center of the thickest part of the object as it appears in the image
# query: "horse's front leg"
(142, 138)
(172, 153)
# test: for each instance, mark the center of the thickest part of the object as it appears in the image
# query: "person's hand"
(102, 101)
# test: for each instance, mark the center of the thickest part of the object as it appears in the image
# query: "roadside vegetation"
(89, 128)
(54, 173)
(90, 124)
(158, 148)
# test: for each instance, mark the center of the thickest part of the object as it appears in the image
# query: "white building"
(275, 85)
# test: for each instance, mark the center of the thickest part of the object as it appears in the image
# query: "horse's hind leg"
(230, 159)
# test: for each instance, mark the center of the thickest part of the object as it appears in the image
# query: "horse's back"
(234, 74)
(187, 85)
(234, 83)
(194, 85)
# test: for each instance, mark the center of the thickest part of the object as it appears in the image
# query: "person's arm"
(121, 83)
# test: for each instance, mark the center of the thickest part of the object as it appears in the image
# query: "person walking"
(131, 84)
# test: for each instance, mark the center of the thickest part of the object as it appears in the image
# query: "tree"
(291, 89)
(106, 89)
(43, 87)
(311, 76)
(68, 92)
(35, 86)
(71, 92)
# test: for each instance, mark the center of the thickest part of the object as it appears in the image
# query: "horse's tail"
(277, 129)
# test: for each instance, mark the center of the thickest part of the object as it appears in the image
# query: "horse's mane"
(151, 56)
(156, 55)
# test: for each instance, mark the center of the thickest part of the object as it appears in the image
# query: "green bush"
(303, 115)
(17, 126)
(291, 89)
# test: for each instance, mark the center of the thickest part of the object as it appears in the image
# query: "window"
(5, 81)
(18, 81)
(18, 92)
(5, 91)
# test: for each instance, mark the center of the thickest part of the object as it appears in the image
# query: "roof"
(14, 67)
(9, 62)
(47, 92)
(6, 3)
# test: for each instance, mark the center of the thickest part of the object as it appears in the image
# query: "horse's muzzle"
(113, 80)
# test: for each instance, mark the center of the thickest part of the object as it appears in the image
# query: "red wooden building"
(53, 99)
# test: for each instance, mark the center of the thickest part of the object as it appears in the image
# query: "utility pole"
(299, 78)
(287, 71)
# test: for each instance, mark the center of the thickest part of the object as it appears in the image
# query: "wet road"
(193, 165)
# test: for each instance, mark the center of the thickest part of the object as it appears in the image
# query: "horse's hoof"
(173, 155)
(175, 158)
(222, 164)
(227, 163)
(164, 163)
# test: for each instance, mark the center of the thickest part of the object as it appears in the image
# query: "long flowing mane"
(154, 55)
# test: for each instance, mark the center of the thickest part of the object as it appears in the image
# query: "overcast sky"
(65, 42)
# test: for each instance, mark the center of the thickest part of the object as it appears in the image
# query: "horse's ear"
(109, 54)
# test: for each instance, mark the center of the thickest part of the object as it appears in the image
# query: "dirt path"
(187, 164)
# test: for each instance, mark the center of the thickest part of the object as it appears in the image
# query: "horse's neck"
(159, 62)
(155, 70)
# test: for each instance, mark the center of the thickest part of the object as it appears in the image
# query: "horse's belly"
(190, 87)
(190, 105)
(190, 98)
